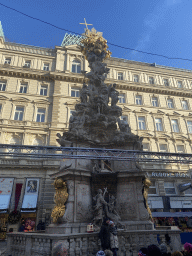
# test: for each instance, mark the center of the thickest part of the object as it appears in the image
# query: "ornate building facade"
(39, 88)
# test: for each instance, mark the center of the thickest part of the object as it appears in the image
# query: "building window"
(180, 149)
(2, 86)
(43, 90)
(169, 188)
(40, 115)
(189, 125)
(120, 76)
(76, 66)
(175, 125)
(7, 61)
(46, 67)
(179, 84)
(166, 82)
(138, 100)
(151, 80)
(145, 146)
(23, 88)
(158, 123)
(27, 64)
(152, 189)
(163, 148)
(170, 103)
(136, 78)
(154, 102)
(141, 122)
(184, 104)
(121, 98)
(74, 92)
(19, 111)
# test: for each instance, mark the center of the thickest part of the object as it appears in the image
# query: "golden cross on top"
(86, 24)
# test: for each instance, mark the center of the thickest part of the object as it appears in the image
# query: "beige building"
(39, 88)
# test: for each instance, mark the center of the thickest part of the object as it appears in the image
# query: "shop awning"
(171, 214)
(31, 195)
(6, 186)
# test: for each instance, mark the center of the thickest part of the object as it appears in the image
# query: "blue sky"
(162, 27)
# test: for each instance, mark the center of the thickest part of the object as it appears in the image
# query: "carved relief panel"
(83, 203)
(127, 201)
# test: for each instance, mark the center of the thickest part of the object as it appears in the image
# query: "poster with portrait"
(6, 187)
(31, 195)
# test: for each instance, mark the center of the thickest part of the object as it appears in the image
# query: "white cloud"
(152, 22)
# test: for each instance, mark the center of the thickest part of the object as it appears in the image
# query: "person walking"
(104, 235)
(114, 243)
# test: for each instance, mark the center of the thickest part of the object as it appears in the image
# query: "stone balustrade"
(85, 244)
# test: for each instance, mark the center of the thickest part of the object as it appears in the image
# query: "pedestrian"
(153, 250)
(100, 253)
(163, 249)
(108, 253)
(114, 243)
(177, 253)
(104, 235)
(187, 249)
(143, 251)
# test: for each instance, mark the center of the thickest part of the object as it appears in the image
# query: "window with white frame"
(19, 112)
(40, 115)
(163, 148)
(169, 188)
(159, 125)
(175, 126)
(75, 92)
(136, 78)
(27, 64)
(179, 84)
(189, 125)
(121, 98)
(2, 86)
(184, 104)
(170, 103)
(46, 66)
(23, 88)
(43, 90)
(7, 61)
(138, 100)
(166, 82)
(151, 80)
(152, 189)
(146, 147)
(154, 101)
(76, 66)
(141, 123)
(120, 76)
(180, 149)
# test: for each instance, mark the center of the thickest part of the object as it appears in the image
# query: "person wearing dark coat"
(104, 235)
(153, 250)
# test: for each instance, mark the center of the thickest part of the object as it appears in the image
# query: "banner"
(6, 186)
(31, 195)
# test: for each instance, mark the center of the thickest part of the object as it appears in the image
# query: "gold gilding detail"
(94, 42)
(60, 199)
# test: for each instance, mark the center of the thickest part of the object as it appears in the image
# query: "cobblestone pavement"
(3, 246)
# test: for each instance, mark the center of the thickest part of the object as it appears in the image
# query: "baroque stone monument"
(97, 188)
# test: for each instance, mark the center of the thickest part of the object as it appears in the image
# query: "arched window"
(37, 142)
(76, 66)
(14, 141)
